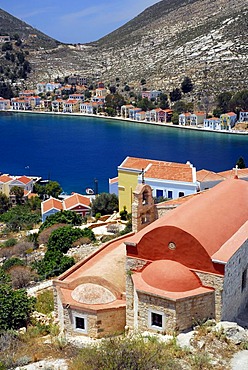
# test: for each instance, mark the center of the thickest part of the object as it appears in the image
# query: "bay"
(77, 150)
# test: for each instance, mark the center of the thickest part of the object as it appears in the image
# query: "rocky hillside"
(203, 39)
(12, 26)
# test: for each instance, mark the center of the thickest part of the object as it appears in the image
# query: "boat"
(89, 191)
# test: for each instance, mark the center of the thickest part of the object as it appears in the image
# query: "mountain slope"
(203, 39)
(11, 25)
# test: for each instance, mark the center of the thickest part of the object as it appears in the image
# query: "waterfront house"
(243, 116)
(167, 179)
(4, 104)
(125, 110)
(5, 180)
(176, 271)
(20, 104)
(140, 116)
(57, 105)
(50, 207)
(197, 118)
(228, 120)
(184, 119)
(86, 108)
(77, 203)
(133, 112)
(71, 106)
(212, 123)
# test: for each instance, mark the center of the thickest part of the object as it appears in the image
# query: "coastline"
(160, 124)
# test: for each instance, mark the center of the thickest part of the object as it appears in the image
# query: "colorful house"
(167, 179)
(75, 202)
(4, 104)
(228, 120)
(71, 106)
(243, 116)
(125, 110)
(50, 207)
(212, 123)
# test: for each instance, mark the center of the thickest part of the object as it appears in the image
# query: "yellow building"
(167, 179)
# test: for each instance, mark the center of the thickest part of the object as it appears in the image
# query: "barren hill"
(203, 39)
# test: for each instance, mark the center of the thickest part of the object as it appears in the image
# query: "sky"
(76, 21)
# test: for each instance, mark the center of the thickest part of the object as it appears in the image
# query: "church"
(171, 273)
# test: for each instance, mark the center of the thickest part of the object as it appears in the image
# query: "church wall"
(235, 288)
(216, 282)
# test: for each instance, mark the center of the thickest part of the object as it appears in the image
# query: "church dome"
(89, 293)
(170, 276)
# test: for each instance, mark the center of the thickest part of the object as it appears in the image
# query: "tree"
(63, 217)
(163, 104)
(4, 203)
(143, 81)
(175, 94)
(15, 305)
(53, 189)
(240, 163)
(175, 118)
(63, 238)
(18, 192)
(223, 101)
(186, 85)
(105, 204)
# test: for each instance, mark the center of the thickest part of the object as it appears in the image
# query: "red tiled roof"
(51, 203)
(206, 175)
(113, 180)
(160, 169)
(24, 179)
(5, 178)
(230, 174)
(74, 200)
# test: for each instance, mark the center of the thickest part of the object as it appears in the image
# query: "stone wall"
(131, 264)
(193, 310)
(234, 298)
(147, 303)
(99, 324)
(216, 282)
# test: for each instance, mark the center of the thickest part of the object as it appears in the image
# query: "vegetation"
(126, 353)
(186, 85)
(4, 203)
(60, 241)
(63, 217)
(21, 217)
(241, 163)
(44, 302)
(51, 189)
(15, 305)
(105, 204)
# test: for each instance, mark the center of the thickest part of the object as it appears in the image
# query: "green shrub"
(10, 242)
(12, 262)
(44, 302)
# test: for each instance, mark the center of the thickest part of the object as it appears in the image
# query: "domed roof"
(89, 293)
(170, 276)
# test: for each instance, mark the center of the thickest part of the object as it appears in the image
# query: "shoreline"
(160, 124)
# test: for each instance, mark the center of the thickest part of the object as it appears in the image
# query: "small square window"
(80, 323)
(156, 320)
(169, 194)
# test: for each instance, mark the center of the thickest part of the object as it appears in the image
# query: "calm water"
(76, 150)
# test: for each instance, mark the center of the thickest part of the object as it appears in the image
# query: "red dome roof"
(170, 276)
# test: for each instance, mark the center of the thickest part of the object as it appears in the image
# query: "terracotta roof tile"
(160, 169)
(206, 175)
(51, 203)
(5, 178)
(75, 200)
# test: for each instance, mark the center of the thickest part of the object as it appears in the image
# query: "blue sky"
(76, 20)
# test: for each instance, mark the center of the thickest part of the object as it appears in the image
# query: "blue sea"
(77, 151)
